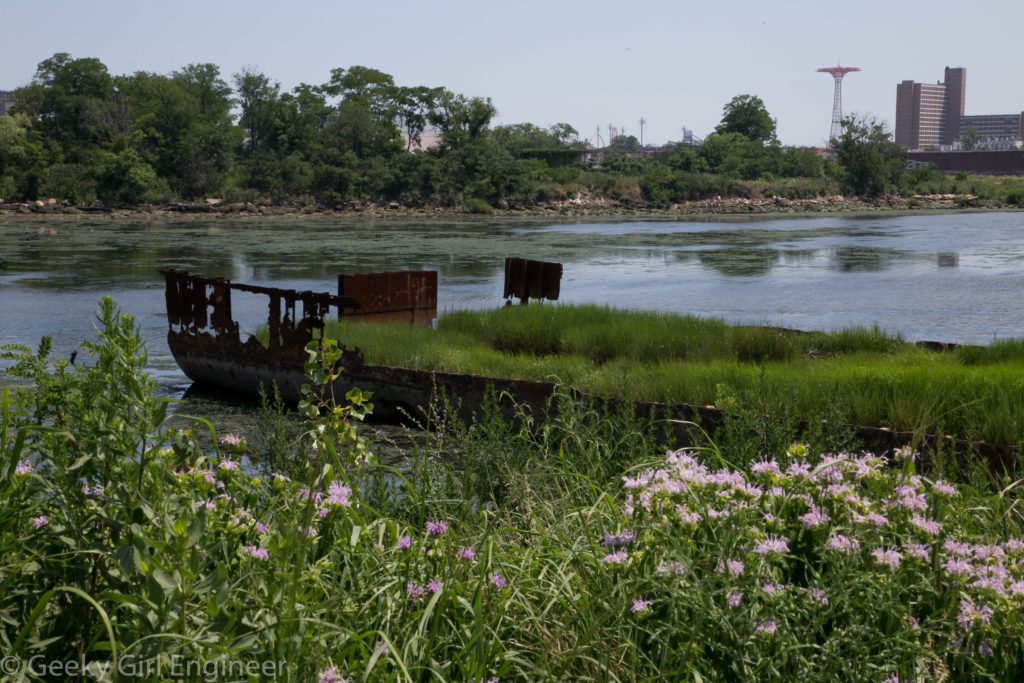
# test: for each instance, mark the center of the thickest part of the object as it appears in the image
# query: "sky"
(593, 63)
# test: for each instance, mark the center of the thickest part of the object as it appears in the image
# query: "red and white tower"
(837, 101)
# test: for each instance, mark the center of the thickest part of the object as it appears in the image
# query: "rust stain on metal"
(398, 295)
(199, 316)
(526, 279)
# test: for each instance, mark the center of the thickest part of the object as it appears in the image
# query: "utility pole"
(643, 122)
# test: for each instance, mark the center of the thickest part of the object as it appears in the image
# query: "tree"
(414, 106)
(257, 98)
(747, 115)
(870, 162)
(374, 89)
(970, 138)
(461, 118)
(182, 126)
(625, 144)
(22, 158)
(71, 102)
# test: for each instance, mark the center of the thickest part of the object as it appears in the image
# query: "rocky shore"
(733, 206)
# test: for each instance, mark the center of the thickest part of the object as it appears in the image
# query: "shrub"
(477, 206)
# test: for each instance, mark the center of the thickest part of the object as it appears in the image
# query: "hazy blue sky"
(585, 63)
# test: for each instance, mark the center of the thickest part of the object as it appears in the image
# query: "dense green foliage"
(502, 551)
(81, 134)
(861, 377)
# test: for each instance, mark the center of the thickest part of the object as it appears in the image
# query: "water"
(955, 278)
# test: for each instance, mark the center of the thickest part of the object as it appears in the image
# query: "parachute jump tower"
(837, 73)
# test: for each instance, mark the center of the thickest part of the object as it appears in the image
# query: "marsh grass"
(874, 378)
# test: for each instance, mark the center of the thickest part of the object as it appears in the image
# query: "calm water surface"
(957, 277)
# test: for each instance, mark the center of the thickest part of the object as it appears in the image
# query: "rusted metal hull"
(396, 391)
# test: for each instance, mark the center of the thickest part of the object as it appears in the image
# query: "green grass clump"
(877, 378)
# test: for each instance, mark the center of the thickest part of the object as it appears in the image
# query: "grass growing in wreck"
(869, 378)
(570, 550)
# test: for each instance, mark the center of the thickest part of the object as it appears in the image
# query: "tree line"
(80, 134)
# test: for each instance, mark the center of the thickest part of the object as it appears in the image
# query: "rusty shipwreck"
(207, 343)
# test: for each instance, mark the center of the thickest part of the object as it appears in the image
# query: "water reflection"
(740, 261)
(862, 259)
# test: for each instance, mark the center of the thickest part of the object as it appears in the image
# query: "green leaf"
(198, 526)
(80, 462)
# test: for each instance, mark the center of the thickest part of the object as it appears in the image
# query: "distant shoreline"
(589, 208)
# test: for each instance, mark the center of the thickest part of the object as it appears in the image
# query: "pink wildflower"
(887, 557)
(843, 544)
(404, 543)
(438, 528)
(256, 552)
(228, 465)
(928, 526)
(414, 591)
(734, 600)
(991, 583)
(337, 494)
(767, 627)
(814, 518)
(434, 585)
(972, 615)
(616, 540)
(232, 440)
(24, 468)
(331, 675)
(957, 567)
(498, 581)
(917, 550)
(1014, 545)
(675, 568)
(618, 557)
(817, 595)
(467, 554)
(261, 528)
(988, 552)
(687, 517)
(910, 499)
(640, 605)
(957, 548)
(943, 489)
(765, 467)
(798, 469)
(871, 518)
(772, 545)
(40, 521)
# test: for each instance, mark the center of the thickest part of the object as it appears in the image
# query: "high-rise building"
(6, 101)
(991, 131)
(928, 116)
